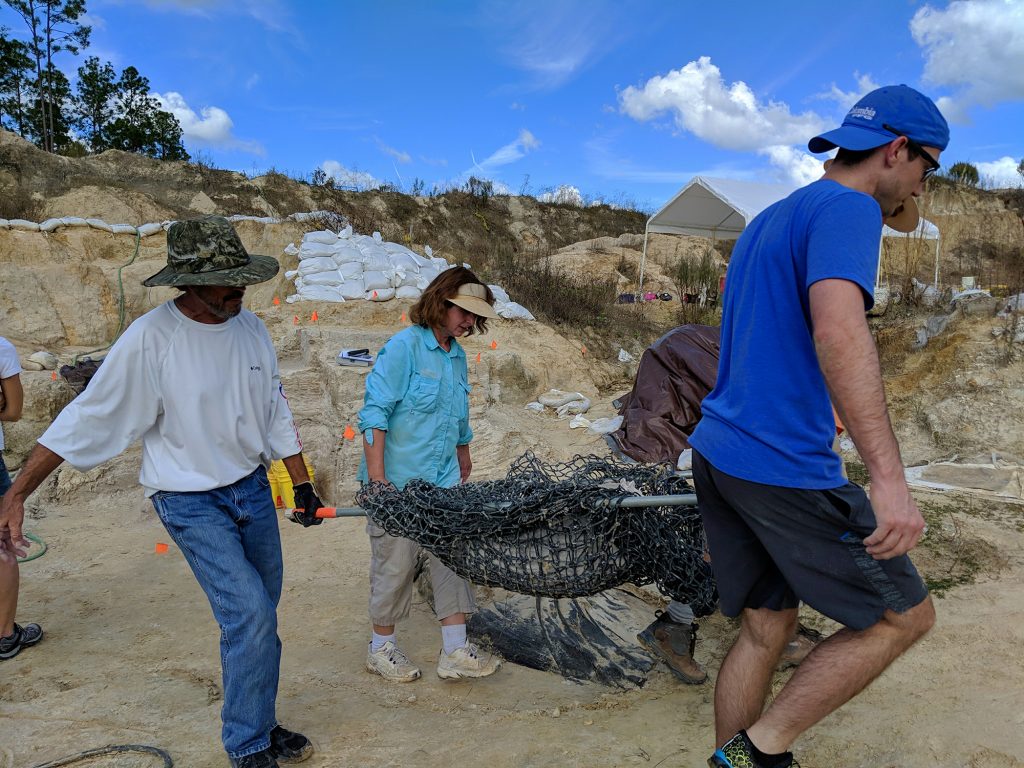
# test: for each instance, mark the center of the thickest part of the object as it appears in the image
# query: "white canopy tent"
(720, 209)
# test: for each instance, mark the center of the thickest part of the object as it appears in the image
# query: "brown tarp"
(675, 374)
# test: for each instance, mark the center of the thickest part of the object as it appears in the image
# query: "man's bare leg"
(9, 578)
(836, 671)
(746, 672)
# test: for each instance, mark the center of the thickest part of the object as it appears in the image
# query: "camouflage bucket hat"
(208, 251)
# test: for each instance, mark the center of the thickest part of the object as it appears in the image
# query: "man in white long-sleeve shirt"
(197, 380)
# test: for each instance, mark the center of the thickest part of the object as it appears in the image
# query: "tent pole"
(643, 260)
(938, 240)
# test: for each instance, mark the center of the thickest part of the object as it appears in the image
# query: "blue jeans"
(5, 477)
(230, 538)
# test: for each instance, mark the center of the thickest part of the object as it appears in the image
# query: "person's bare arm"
(465, 462)
(849, 360)
(12, 398)
(296, 466)
(40, 463)
(375, 456)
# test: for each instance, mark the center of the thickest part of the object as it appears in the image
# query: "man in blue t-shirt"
(783, 525)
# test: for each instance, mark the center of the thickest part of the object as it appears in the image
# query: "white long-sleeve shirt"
(206, 400)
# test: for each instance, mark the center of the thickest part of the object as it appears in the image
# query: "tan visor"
(472, 297)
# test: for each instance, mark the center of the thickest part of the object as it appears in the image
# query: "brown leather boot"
(803, 642)
(674, 644)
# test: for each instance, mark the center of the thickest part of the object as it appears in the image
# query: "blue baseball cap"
(884, 114)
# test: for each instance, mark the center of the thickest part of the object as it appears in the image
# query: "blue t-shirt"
(769, 418)
(419, 395)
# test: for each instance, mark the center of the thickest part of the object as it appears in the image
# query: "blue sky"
(623, 101)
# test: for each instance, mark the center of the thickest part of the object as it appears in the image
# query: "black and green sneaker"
(739, 752)
(22, 637)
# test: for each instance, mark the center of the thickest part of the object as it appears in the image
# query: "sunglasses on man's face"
(933, 164)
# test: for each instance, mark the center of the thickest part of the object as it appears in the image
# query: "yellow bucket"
(281, 484)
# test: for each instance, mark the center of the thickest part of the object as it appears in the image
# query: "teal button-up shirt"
(419, 395)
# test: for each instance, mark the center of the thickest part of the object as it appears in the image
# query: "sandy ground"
(131, 652)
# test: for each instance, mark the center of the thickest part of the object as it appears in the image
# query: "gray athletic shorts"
(772, 547)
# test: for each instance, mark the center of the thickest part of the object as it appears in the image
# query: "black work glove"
(306, 504)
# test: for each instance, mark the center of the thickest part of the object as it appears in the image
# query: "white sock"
(453, 637)
(377, 642)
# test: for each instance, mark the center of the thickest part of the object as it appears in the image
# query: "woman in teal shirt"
(415, 425)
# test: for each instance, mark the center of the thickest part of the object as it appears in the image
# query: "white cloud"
(566, 194)
(727, 116)
(399, 155)
(976, 47)
(556, 44)
(846, 99)
(212, 126)
(514, 150)
(344, 177)
(794, 166)
(1000, 174)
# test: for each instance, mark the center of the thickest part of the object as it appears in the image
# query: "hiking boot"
(256, 760)
(21, 637)
(738, 752)
(467, 661)
(289, 747)
(674, 644)
(391, 664)
(803, 642)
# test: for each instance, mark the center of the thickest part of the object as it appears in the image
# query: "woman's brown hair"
(431, 310)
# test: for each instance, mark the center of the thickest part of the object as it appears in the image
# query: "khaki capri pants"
(392, 567)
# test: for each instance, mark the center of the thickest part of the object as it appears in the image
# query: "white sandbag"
(405, 279)
(535, 407)
(376, 280)
(323, 236)
(408, 292)
(75, 221)
(50, 224)
(166, 225)
(440, 264)
(685, 460)
(124, 229)
(315, 251)
(513, 311)
(332, 277)
(625, 357)
(46, 359)
(381, 294)
(405, 261)
(376, 259)
(291, 249)
(429, 251)
(22, 224)
(579, 420)
(151, 228)
(320, 293)
(99, 224)
(317, 264)
(426, 276)
(352, 289)
(499, 294)
(350, 269)
(346, 253)
(573, 407)
(555, 398)
(346, 233)
(377, 238)
(604, 426)
(293, 298)
(291, 274)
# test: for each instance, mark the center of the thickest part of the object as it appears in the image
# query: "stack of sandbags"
(342, 266)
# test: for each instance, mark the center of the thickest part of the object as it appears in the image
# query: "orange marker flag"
(583, 350)
(403, 317)
(375, 294)
(314, 318)
(349, 434)
(478, 357)
(161, 548)
(295, 320)
(494, 345)
(277, 301)
(53, 375)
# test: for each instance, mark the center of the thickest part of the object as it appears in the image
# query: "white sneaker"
(391, 664)
(467, 661)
